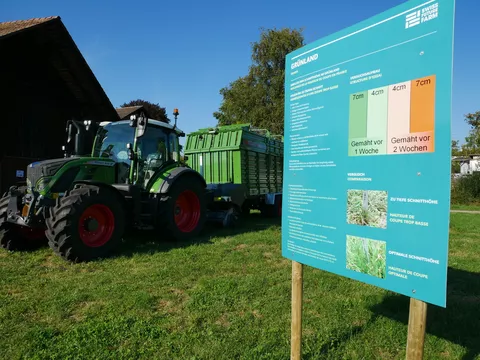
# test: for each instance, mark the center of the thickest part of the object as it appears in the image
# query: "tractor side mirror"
(141, 125)
(130, 151)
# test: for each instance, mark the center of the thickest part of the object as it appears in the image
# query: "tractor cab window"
(152, 150)
(111, 142)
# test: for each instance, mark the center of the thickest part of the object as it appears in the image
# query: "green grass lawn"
(226, 296)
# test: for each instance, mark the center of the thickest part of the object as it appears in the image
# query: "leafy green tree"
(455, 148)
(473, 138)
(258, 97)
(155, 111)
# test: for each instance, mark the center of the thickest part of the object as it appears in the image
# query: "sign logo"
(421, 16)
(412, 19)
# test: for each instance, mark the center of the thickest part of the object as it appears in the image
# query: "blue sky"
(181, 53)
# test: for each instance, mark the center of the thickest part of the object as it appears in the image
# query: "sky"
(179, 54)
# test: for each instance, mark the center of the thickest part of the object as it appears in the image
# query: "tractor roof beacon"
(83, 204)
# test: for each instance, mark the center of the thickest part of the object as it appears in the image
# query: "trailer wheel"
(14, 237)
(273, 211)
(184, 209)
(87, 223)
(245, 209)
(232, 217)
(279, 208)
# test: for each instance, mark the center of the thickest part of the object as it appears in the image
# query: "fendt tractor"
(131, 178)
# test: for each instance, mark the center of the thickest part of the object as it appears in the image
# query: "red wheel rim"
(96, 225)
(187, 211)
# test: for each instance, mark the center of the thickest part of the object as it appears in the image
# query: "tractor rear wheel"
(184, 209)
(14, 237)
(87, 223)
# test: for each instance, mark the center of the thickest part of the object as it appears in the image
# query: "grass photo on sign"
(366, 256)
(367, 208)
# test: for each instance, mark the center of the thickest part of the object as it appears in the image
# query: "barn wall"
(34, 108)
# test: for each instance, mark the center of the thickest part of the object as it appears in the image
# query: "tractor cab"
(140, 148)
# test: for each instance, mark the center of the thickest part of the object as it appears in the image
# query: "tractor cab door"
(152, 153)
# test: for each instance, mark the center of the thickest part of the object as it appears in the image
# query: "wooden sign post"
(297, 301)
(417, 321)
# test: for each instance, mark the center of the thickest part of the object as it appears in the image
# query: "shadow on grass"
(458, 323)
(151, 241)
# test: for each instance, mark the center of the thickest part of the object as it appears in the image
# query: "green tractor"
(83, 205)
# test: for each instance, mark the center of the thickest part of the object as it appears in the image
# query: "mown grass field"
(226, 296)
(375, 212)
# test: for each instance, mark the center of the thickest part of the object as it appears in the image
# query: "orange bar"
(422, 105)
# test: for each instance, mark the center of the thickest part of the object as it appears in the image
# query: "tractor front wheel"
(86, 223)
(185, 208)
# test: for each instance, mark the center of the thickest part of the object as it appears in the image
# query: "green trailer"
(242, 165)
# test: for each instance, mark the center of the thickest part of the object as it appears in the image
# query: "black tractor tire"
(13, 237)
(184, 209)
(86, 224)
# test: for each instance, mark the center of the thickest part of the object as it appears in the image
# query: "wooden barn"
(45, 82)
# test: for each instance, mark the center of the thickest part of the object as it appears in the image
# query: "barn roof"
(125, 112)
(60, 50)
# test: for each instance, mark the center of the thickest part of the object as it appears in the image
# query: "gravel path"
(466, 211)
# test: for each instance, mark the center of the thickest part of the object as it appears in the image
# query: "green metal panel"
(237, 154)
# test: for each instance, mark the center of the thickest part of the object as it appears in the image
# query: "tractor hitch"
(26, 209)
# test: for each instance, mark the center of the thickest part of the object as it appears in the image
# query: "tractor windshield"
(112, 140)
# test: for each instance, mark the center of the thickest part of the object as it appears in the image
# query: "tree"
(473, 138)
(455, 148)
(258, 97)
(155, 111)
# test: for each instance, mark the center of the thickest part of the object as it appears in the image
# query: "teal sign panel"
(367, 151)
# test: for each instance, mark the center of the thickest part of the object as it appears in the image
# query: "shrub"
(466, 189)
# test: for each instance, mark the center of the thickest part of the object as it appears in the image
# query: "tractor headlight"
(42, 183)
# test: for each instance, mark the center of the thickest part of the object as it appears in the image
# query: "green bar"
(358, 115)
(377, 113)
(367, 146)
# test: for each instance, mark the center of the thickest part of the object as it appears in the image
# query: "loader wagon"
(242, 165)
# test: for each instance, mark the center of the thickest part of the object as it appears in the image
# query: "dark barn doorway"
(45, 82)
